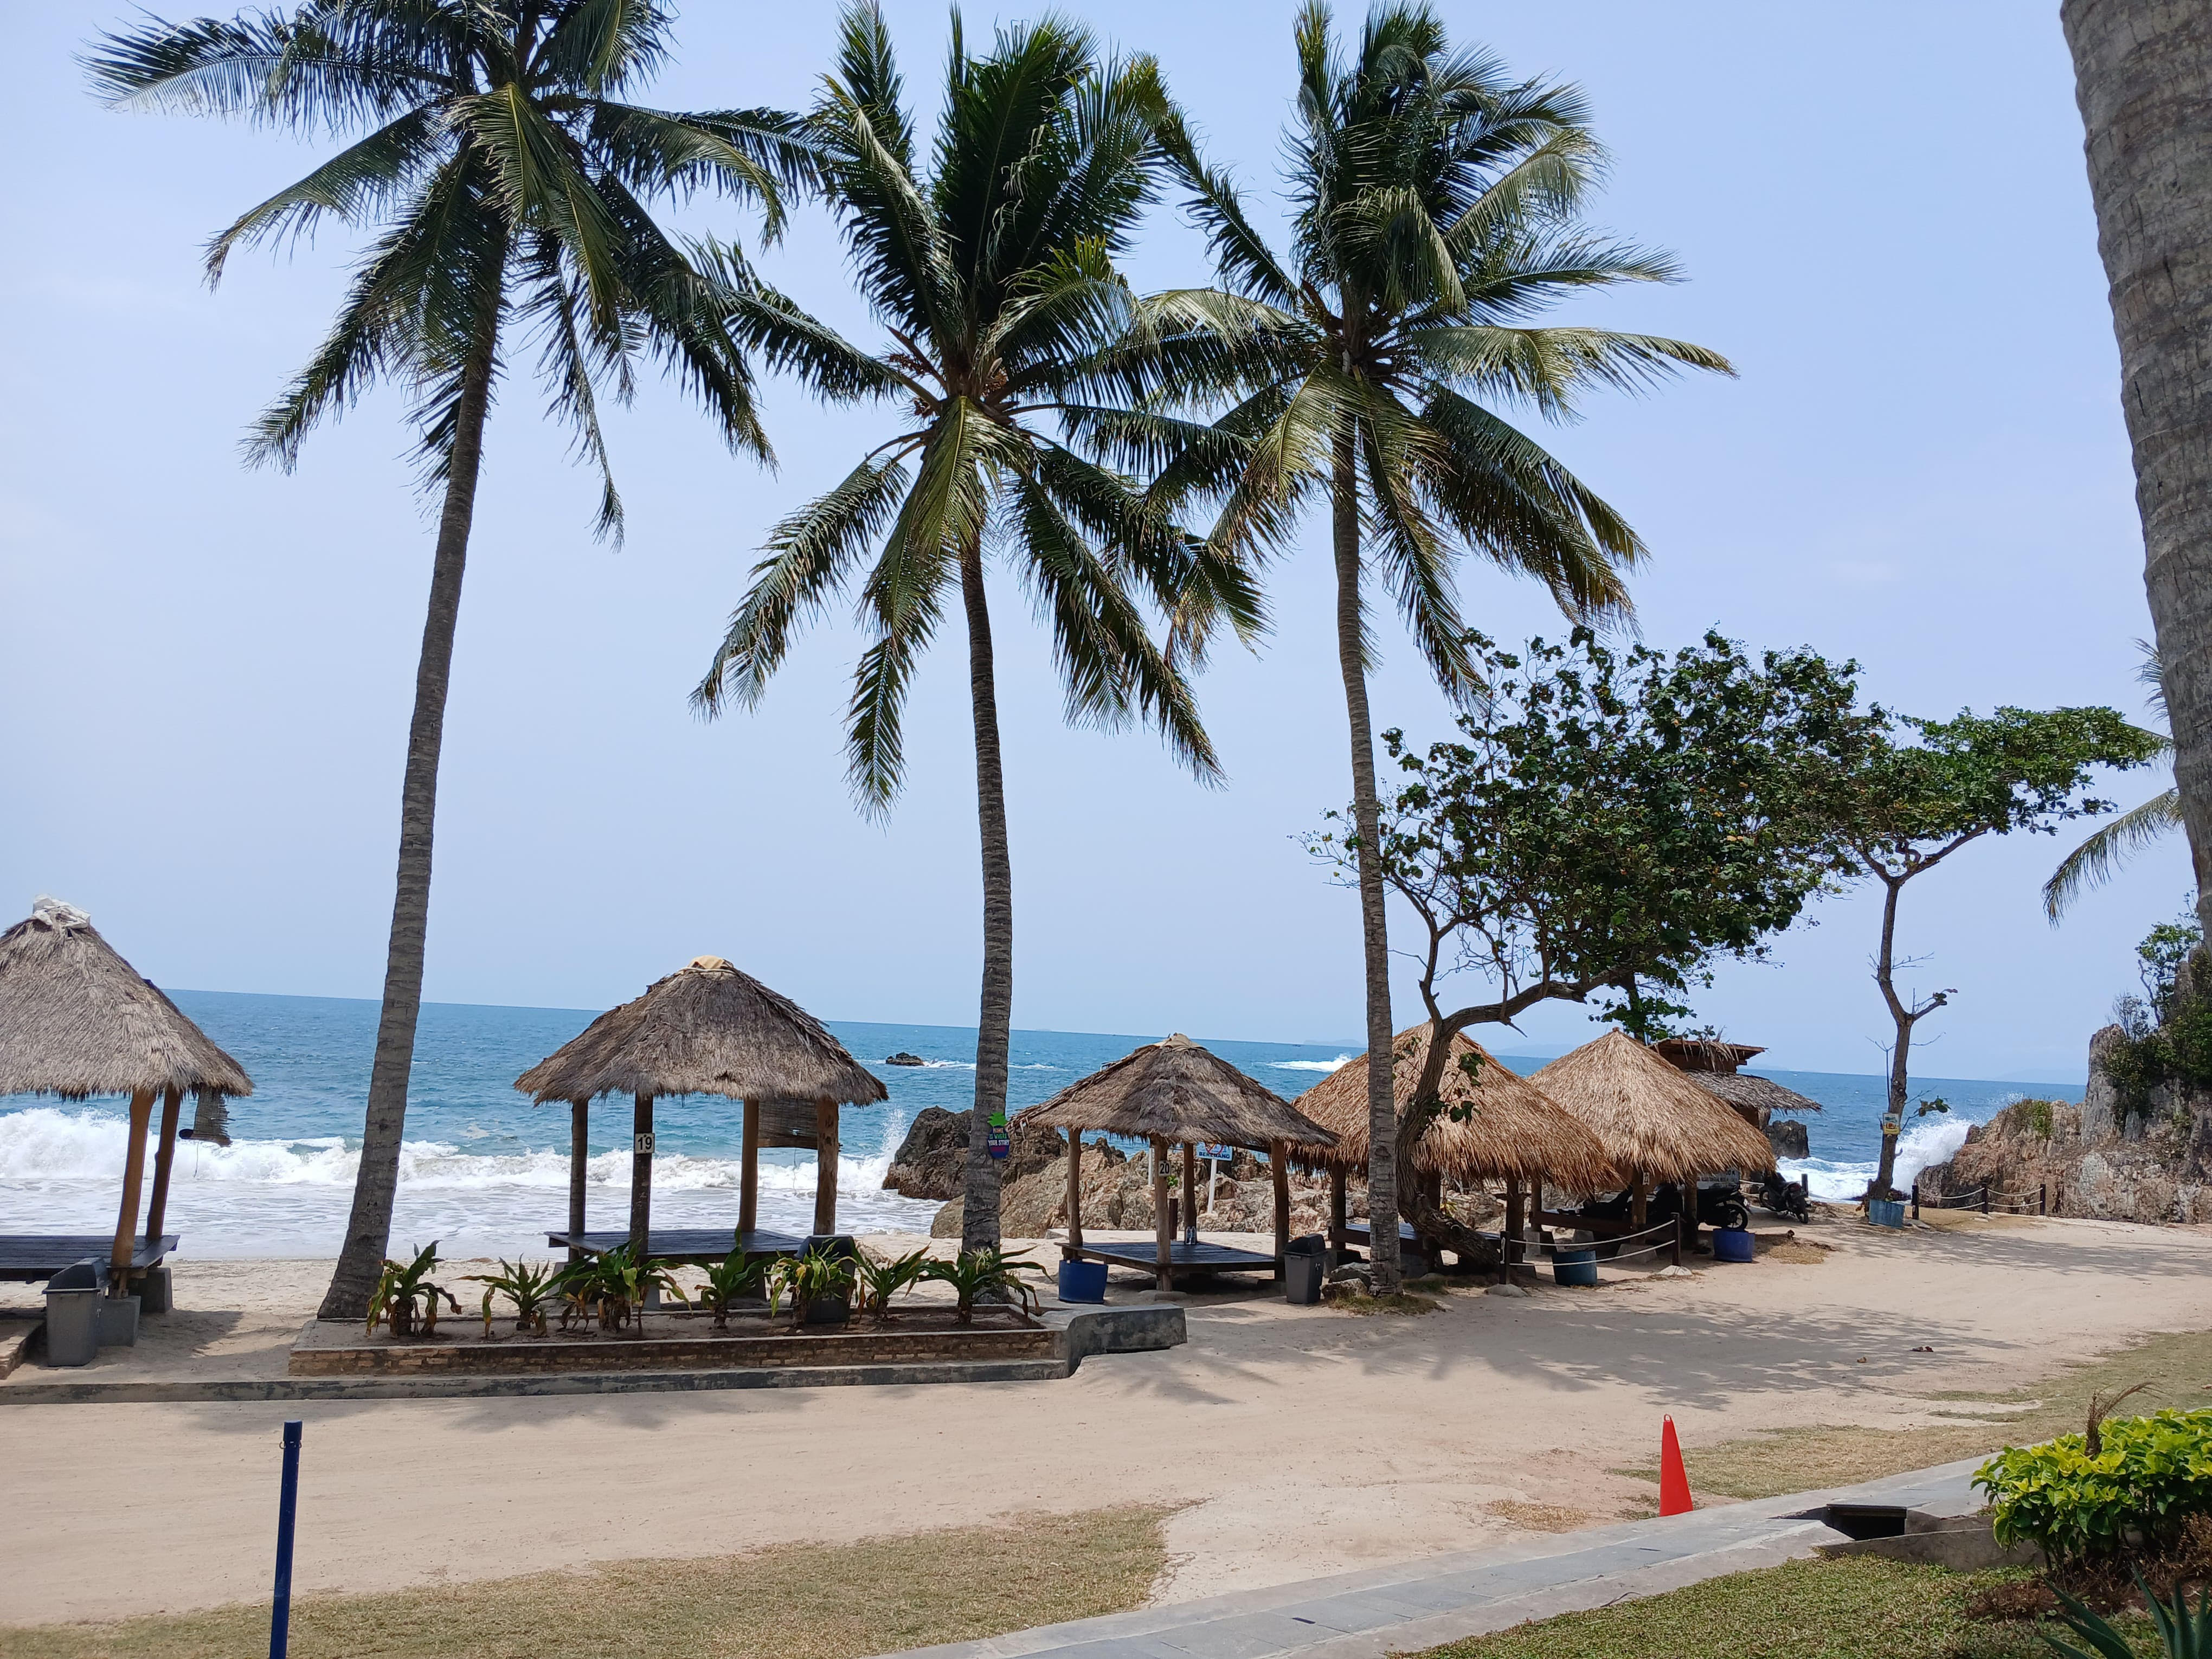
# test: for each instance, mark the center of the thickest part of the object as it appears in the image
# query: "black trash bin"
(1305, 1263)
(73, 1314)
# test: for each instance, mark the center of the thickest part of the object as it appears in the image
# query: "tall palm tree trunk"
(979, 1209)
(2143, 75)
(1366, 815)
(368, 1230)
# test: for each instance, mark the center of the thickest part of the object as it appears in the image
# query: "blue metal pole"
(288, 1510)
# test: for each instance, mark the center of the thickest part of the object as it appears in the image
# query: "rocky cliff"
(2096, 1159)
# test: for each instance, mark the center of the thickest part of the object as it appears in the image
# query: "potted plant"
(526, 1284)
(735, 1276)
(401, 1287)
(989, 1272)
(882, 1277)
(610, 1287)
(820, 1285)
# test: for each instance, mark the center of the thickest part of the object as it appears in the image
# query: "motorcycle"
(1784, 1198)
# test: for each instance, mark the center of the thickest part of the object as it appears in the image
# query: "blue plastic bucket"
(1574, 1266)
(1082, 1281)
(1886, 1212)
(1734, 1244)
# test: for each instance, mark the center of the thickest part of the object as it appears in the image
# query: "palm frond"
(2098, 858)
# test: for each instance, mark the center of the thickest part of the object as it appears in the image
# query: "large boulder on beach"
(1787, 1136)
(2088, 1160)
(932, 1162)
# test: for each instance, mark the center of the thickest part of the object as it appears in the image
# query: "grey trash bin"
(73, 1314)
(1304, 1264)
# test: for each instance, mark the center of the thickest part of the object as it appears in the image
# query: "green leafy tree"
(508, 183)
(1438, 210)
(1908, 806)
(990, 268)
(1606, 817)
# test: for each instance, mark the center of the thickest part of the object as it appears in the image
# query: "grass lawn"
(795, 1602)
(2177, 1366)
(1860, 1607)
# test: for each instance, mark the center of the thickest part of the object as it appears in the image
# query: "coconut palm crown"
(1437, 211)
(508, 184)
(990, 268)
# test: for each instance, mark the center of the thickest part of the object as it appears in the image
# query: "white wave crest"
(1336, 1064)
(1920, 1147)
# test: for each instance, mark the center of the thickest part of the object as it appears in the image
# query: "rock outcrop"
(932, 1162)
(1787, 1136)
(2095, 1159)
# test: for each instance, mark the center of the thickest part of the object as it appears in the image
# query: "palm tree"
(2143, 75)
(1437, 209)
(508, 182)
(991, 271)
(2100, 857)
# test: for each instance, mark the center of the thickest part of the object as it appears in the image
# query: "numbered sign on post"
(642, 1146)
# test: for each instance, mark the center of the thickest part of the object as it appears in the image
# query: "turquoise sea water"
(483, 1171)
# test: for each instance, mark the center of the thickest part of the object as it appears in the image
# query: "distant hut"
(78, 1020)
(1513, 1134)
(1655, 1125)
(1177, 1092)
(706, 1030)
(1711, 1065)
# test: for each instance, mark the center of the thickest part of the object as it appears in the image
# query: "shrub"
(2129, 1485)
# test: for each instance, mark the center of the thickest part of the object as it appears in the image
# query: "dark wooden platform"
(1357, 1232)
(699, 1244)
(37, 1257)
(1184, 1259)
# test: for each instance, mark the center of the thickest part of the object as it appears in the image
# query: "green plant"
(975, 1273)
(527, 1285)
(730, 1278)
(2125, 1487)
(2183, 1631)
(815, 1276)
(402, 1286)
(882, 1277)
(2038, 1116)
(611, 1287)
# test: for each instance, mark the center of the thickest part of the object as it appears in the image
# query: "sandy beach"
(1294, 1440)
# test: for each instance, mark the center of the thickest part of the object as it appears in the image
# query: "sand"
(1294, 1441)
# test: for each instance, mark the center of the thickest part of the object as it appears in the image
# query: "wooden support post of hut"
(749, 1171)
(1338, 1205)
(1169, 1094)
(579, 1158)
(709, 1030)
(1516, 1250)
(825, 1166)
(1279, 1167)
(78, 1020)
(1162, 1224)
(1073, 1250)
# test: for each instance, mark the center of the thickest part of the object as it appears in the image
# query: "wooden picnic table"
(1186, 1258)
(685, 1244)
(31, 1258)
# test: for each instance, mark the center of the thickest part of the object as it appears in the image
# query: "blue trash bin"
(1886, 1212)
(1574, 1267)
(1082, 1281)
(1734, 1244)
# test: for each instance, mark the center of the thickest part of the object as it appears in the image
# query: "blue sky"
(1882, 212)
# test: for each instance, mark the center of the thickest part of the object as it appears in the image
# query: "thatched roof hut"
(1514, 1133)
(707, 1030)
(1653, 1122)
(1711, 1065)
(1175, 1090)
(76, 1019)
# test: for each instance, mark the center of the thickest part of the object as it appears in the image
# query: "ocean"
(485, 1173)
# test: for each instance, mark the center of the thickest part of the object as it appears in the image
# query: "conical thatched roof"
(1513, 1131)
(1651, 1119)
(1747, 1091)
(705, 1030)
(76, 1019)
(1176, 1090)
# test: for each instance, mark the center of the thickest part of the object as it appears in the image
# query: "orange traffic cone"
(1673, 1479)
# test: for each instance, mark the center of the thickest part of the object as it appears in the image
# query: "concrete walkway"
(1445, 1598)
